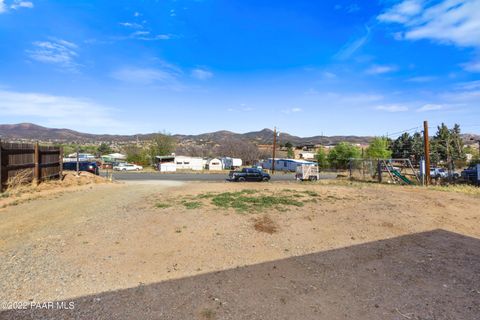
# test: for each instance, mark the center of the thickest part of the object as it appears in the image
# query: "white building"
(117, 156)
(189, 163)
(307, 155)
(215, 164)
(231, 163)
(81, 157)
(167, 167)
(284, 164)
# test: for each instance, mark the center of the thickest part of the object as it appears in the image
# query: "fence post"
(379, 171)
(37, 171)
(60, 161)
(350, 168)
(1, 167)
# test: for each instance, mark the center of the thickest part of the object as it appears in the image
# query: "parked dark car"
(472, 174)
(87, 166)
(248, 174)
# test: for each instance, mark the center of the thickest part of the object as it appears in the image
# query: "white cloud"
(132, 25)
(21, 4)
(166, 75)
(243, 108)
(472, 85)
(17, 4)
(58, 111)
(352, 46)
(450, 21)
(352, 8)
(381, 69)
(292, 110)
(3, 7)
(473, 66)
(201, 74)
(392, 108)
(329, 75)
(145, 35)
(59, 52)
(430, 107)
(402, 12)
(421, 79)
(140, 33)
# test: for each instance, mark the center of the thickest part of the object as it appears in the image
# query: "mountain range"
(33, 132)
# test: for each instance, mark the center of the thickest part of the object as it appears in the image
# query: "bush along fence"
(27, 163)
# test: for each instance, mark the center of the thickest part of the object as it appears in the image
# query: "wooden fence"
(33, 162)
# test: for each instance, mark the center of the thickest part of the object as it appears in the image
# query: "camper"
(229, 163)
(215, 164)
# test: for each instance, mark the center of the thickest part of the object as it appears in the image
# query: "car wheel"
(266, 179)
(313, 179)
(241, 179)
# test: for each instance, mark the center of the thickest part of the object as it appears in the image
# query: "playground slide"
(404, 179)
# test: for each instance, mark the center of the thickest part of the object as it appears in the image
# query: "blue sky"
(308, 67)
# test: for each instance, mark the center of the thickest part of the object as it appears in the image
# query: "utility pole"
(427, 152)
(274, 147)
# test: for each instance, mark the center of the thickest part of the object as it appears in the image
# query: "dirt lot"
(204, 250)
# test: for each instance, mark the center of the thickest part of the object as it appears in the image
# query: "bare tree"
(195, 150)
(237, 148)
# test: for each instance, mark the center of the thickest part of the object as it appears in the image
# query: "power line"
(403, 131)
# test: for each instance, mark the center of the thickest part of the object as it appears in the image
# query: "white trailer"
(307, 172)
(215, 164)
(237, 162)
(167, 167)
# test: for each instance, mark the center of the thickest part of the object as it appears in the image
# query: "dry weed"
(265, 224)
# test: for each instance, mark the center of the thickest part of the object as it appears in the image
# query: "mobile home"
(285, 164)
(189, 163)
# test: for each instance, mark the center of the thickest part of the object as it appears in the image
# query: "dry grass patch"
(20, 189)
(265, 224)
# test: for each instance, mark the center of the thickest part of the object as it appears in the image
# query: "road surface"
(141, 176)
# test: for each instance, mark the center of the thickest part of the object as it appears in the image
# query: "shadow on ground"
(431, 275)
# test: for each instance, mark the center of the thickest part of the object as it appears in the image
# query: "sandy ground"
(103, 240)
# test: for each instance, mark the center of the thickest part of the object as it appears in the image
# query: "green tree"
(104, 148)
(290, 152)
(418, 146)
(402, 147)
(378, 149)
(447, 146)
(161, 145)
(136, 154)
(322, 158)
(339, 157)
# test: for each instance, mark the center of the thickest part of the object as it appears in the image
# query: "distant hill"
(29, 131)
(33, 132)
